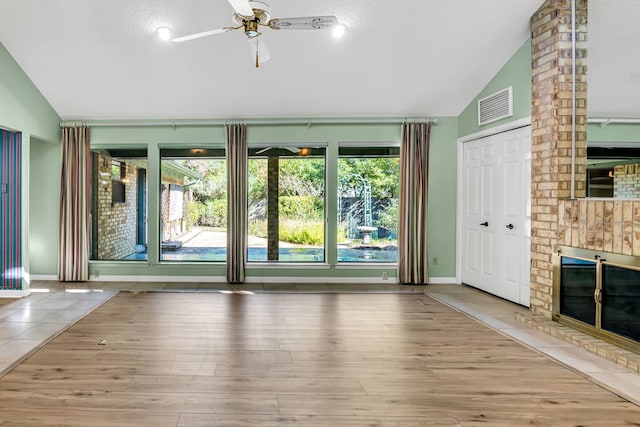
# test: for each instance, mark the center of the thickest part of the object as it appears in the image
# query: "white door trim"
(459, 158)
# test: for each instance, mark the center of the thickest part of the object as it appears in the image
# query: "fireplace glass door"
(578, 286)
(598, 293)
(621, 301)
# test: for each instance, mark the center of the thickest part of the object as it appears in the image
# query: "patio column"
(273, 177)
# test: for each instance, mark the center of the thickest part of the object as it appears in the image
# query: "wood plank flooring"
(209, 359)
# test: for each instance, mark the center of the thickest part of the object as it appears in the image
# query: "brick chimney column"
(551, 118)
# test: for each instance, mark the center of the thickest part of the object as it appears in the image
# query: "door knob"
(485, 224)
(510, 226)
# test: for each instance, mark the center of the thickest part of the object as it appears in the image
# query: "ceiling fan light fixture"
(251, 28)
(259, 50)
(164, 33)
(339, 30)
(249, 16)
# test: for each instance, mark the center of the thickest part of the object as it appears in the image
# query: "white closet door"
(479, 217)
(496, 214)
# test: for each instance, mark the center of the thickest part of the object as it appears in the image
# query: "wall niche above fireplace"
(598, 293)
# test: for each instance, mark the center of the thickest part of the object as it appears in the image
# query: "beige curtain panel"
(414, 183)
(236, 202)
(73, 251)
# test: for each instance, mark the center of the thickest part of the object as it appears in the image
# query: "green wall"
(614, 132)
(517, 73)
(442, 199)
(441, 203)
(22, 106)
(44, 199)
(24, 109)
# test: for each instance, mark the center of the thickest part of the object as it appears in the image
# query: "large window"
(286, 188)
(119, 204)
(193, 205)
(368, 186)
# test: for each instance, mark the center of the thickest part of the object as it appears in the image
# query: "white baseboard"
(321, 279)
(44, 277)
(183, 279)
(222, 279)
(250, 279)
(15, 293)
(443, 281)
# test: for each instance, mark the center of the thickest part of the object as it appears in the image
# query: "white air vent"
(496, 106)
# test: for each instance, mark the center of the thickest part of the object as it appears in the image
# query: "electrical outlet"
(385, 275)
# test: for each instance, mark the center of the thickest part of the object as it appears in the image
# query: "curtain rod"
(266, 122)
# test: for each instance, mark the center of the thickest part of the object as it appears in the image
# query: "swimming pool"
(210, 254)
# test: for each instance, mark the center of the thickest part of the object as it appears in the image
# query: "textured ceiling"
(614, 59)
(96, 59)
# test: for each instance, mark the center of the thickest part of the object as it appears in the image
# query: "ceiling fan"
(251, 15)
(294, 150)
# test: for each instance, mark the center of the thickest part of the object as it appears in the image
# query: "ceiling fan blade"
(259, 50)
(294, 150)
(202, 34)
(242, 7)
(308, 23)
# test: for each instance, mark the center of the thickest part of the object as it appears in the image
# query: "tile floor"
(29, 323)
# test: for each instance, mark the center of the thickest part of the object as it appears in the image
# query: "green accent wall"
(24, 109)
(442, 198)
(614, 132)
(22, 106)
(44, 199)
(517, 73)
(441, 204)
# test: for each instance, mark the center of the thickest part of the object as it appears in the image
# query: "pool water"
(209, 254)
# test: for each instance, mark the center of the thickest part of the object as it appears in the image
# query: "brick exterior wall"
(551, 118)
(117, 222)
(626, 181)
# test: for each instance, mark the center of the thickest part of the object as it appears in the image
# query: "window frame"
(118, 188)
(286, 148)
(394, 148)
(195, 152)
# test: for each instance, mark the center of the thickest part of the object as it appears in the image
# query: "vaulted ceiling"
(96, 59)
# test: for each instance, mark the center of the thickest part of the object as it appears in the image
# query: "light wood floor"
(208, 359)
(6, 301)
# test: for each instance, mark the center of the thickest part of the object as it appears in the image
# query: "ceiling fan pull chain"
(257, 53)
